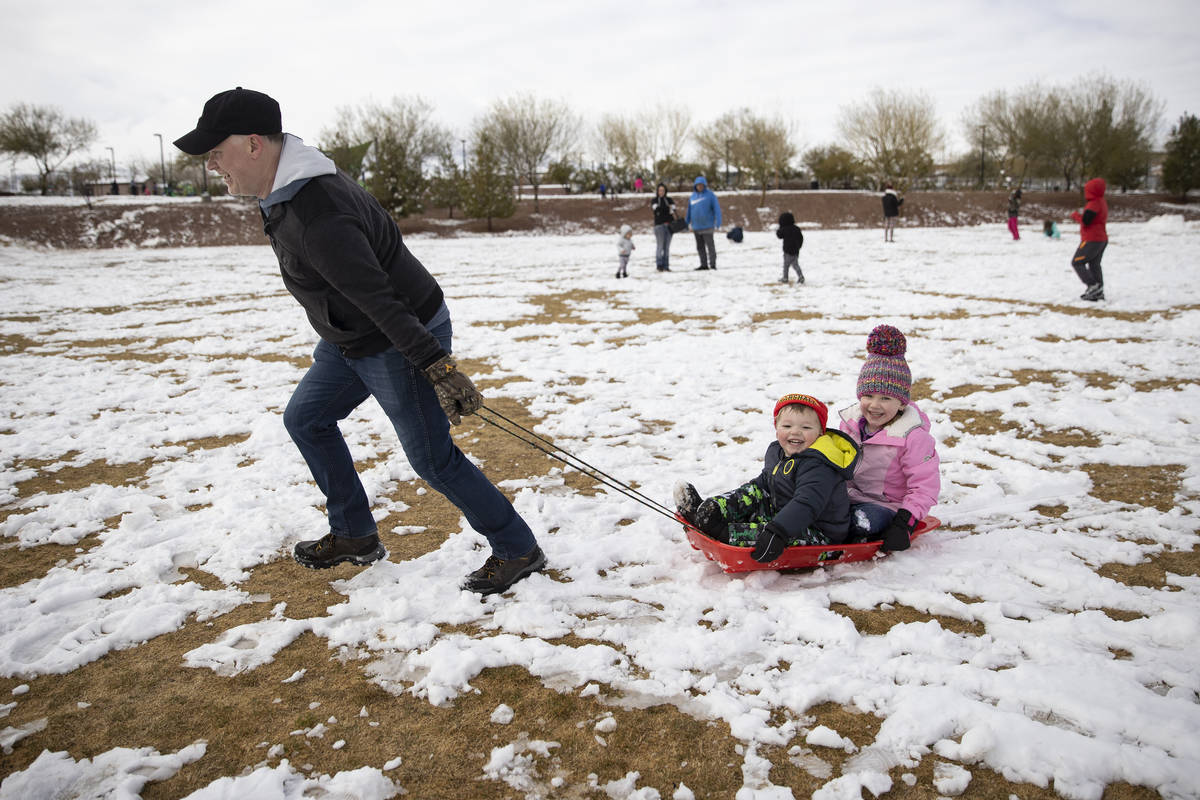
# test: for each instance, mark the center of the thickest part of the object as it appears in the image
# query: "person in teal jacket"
(704, 217)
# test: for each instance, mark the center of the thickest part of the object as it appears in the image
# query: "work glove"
(455, 392)
(896, 536)
(769, 544)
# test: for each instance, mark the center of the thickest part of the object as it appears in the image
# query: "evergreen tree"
(833, 166)
(488, 189)
(446, 184)
(402, 136)
(1181, 167)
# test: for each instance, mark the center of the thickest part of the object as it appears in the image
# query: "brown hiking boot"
(498, 574)
(330, 550)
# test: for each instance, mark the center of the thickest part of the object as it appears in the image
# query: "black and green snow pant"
(739, 516)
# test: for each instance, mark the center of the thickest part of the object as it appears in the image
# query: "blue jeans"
(335, 385)
(868, 519)
(662, 249)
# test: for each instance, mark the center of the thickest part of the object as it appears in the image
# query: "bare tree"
(44, 134)
(894, 134)
(668, 128)
(1018, 129)
(528, 132)
(1096, 126)
(625, 141)
(1061, 148)
(769, 150)
(759, 147)
(403, 137)
(715, 140)
(1117, 123)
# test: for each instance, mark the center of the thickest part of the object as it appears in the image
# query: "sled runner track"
(538, 442)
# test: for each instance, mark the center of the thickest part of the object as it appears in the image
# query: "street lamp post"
(112, 169)
(982, 151)
(162, 163)
(464, 148)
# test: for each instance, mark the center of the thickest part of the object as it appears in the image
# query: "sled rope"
(548, 447)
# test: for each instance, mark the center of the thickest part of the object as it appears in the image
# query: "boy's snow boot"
(711, 520)
(801, 279)
(331, 550)
(703, 515)
(498, 574)
(687, 500)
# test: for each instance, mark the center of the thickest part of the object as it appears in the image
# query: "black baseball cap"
(230, 112)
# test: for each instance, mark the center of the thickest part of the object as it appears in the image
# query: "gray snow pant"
(707, 248)
(1087, 262)
(792, 261)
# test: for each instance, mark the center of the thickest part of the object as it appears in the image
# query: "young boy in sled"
(800, 496)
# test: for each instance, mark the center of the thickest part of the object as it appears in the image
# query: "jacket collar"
(298, 164)
(907, 420)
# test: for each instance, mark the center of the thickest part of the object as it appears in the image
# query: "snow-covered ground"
(1041, 696)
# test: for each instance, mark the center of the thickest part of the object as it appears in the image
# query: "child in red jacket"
(1093, 237)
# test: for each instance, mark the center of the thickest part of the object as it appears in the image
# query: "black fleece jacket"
(793, 237)
(342, 257)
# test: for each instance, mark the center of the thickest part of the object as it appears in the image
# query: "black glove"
(896, 534)
(769, 544)
(455, 392)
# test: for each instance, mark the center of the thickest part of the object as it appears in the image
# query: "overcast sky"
(140, 67)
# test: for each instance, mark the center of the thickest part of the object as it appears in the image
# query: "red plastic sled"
(737, 559)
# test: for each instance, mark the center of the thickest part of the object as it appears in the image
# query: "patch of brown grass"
(878, 621)
(143, 696)
(1154, 486)
(1154, 572)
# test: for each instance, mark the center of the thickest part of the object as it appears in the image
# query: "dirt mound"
(159, 222)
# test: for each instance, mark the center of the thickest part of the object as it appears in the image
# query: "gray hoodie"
(343, 259)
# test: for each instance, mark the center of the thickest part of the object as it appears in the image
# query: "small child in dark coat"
(799, 498)
(793, 240)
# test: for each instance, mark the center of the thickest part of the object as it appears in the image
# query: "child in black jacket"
(799, 498)
(793, 240)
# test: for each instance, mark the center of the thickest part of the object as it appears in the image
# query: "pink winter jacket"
(898, 467)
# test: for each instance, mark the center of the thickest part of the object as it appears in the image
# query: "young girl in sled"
(896, 480)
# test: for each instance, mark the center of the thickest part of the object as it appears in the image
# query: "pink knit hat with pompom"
(885, 371)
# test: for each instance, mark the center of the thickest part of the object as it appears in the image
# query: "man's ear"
(255, 145)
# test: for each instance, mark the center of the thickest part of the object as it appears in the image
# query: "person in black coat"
(793, 240)
(891, 210)
(664, 211)
(384, 331)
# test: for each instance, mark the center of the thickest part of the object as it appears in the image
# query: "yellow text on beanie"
(804, 400)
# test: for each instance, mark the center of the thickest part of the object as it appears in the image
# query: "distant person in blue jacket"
(704, 217)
